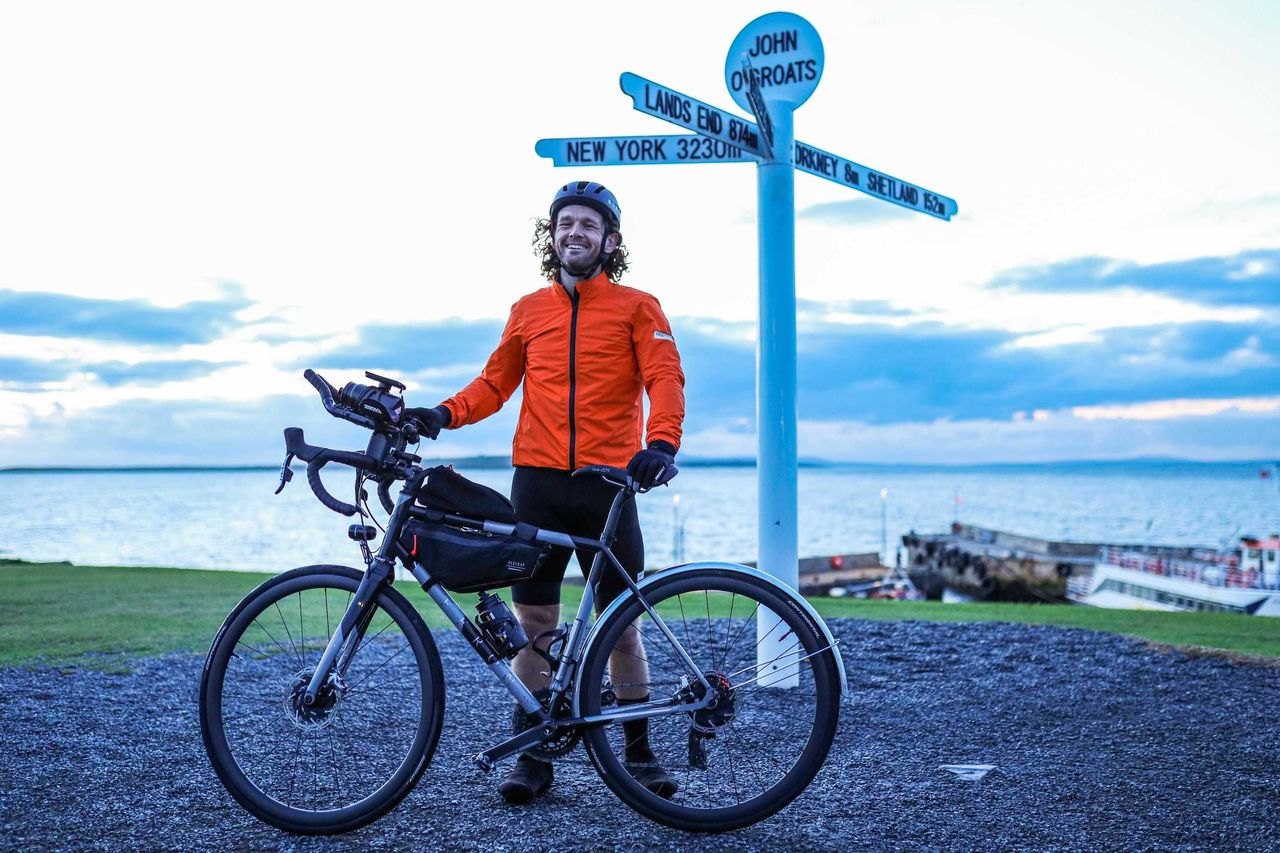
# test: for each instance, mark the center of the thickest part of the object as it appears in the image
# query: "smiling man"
(587, 350)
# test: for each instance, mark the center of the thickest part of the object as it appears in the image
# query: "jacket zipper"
(573, 379)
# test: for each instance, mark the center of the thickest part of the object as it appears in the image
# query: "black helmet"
(591, 194)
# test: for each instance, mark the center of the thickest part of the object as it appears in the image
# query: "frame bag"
(448, 491)
(464, 560)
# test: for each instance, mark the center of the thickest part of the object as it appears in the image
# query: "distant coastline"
(499, 462)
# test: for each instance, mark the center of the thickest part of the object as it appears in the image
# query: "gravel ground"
(1099, 742)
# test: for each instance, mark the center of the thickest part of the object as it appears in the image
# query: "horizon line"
(697, 462)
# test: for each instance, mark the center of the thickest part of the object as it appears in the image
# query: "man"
(585, 347)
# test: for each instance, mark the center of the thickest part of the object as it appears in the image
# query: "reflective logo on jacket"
(585, 362)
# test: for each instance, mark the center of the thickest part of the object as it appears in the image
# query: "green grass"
(1232, 632)
(63, 614)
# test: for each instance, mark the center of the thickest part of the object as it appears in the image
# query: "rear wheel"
(771, 726)
(355, 752)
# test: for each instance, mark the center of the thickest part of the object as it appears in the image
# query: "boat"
(1236, 580)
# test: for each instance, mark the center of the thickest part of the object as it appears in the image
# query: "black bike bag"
(466, 560)
(447, 490)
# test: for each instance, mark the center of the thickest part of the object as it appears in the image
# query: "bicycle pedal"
(483, 762)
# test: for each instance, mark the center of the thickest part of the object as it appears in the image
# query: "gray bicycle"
(322, 696)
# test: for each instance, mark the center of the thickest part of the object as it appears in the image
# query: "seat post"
(610, 526)
(615, 513)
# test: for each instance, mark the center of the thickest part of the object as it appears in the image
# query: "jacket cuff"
(448, 415)
(664, 446)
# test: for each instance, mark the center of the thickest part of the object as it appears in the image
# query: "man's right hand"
(432, 420)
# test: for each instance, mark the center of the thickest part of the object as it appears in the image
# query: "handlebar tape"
(317, 486)
(384, 495)
(326, 390)
(332, 406)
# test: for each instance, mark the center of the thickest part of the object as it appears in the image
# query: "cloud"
(1159, 410)
(200, 432)
(120, 320)
(1059, 436)
(1249, 278)
(414, 348)
(30, 374)
(853, 212)
(26, 373)
(918, 389)
(118, 373)
(861, 307)
(921, 372)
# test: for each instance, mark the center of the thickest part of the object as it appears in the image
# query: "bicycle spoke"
(272, 637)
(294, 779)
(289, 634)
(749, 620)
(257, 710)
(760, 666)
(733, 775)
(379, 666)
(684, 620)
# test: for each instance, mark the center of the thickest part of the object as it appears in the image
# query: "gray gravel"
(1099, 742)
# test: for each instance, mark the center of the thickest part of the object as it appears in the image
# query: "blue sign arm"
(639, 150)
(702, 118)
(876, 184)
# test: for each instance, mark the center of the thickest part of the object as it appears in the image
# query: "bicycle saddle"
(619, 478)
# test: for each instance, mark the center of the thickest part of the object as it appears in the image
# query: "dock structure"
(985, 564)
(977, 563)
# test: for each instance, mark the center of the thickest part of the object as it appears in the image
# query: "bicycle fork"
(350, 631)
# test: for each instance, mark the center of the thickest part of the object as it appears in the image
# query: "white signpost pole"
(773, 66)
(776, 413)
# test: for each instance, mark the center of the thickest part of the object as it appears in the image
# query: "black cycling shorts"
(550, 498)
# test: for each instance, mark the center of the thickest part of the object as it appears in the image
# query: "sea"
(231, 520)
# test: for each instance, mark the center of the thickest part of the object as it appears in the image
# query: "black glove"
(432, 420)
(648, 466)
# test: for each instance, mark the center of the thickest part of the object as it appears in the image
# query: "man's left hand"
(648, 466)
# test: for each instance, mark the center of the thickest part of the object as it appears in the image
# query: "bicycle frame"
(346, 638)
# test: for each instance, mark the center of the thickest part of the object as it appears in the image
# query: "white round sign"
(785, 53)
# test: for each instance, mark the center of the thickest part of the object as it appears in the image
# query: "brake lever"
(286, 473)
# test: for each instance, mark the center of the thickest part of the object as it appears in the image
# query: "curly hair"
(544, 247)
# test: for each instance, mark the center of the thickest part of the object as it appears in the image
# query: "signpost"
(649, 97)
(773, 66)
(640, 150)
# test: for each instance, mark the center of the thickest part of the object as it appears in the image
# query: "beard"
(581, 269)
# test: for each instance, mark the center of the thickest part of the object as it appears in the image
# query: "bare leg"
(628, 666)
(530, 666)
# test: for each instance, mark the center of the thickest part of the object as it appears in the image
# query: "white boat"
(1243, 580)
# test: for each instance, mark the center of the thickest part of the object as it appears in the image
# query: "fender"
(649, 579)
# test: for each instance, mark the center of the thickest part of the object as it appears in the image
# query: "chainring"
(562, 744)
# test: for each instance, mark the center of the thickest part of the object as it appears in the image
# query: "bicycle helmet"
(591, 194)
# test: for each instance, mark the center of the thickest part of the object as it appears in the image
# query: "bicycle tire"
(713, 799)
(261, 691)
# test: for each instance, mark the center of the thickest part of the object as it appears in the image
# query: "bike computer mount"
(384, 383)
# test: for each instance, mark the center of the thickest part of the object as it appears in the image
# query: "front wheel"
(355, 752)
(773, 720)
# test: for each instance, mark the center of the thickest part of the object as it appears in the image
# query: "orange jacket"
(584, 361)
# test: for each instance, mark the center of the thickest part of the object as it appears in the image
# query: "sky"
(199, 201)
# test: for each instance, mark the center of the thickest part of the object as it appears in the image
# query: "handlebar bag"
(447, 490)
(465, 560)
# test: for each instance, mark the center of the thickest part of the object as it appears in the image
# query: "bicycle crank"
(562, 742)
